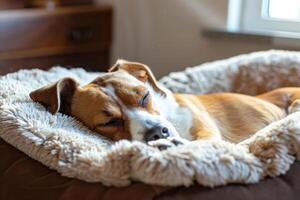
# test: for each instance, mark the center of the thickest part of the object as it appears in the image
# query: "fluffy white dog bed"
(64, 144)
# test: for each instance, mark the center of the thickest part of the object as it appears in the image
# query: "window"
(264, 15)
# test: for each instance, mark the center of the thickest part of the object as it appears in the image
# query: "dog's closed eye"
(113, 123)
(144, 100)
(113, 129)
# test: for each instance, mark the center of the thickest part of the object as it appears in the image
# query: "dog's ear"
(140, 71)
(56, 97)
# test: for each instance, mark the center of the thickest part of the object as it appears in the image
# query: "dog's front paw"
(165, 143)
(178, 140)
(161, 144)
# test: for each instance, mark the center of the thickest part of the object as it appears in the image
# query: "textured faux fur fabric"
(64, 144)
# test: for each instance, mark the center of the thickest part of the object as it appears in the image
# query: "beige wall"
(166, 34)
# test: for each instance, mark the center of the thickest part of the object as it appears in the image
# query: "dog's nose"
(156, 133)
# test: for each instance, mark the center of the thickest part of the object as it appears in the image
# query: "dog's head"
(119, 104)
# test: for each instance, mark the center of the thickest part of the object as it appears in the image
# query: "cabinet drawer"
(79, 27)
(12, 4)
(91, 61)
(45, 3)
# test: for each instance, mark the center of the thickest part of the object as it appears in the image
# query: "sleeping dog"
(128, 103)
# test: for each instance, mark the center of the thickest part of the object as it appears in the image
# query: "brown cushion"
(23, 178)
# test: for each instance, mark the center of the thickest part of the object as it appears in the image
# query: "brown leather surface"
(285, 187)
(23, 178)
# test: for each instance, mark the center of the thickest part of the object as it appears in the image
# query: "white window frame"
(250, 16)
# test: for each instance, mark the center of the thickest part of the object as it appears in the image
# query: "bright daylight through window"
(283, 9)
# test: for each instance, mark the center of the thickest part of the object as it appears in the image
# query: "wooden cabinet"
(70, 36)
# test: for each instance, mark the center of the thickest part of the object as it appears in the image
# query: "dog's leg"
(287, 99)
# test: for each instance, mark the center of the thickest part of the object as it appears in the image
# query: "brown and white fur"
(128, 103)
